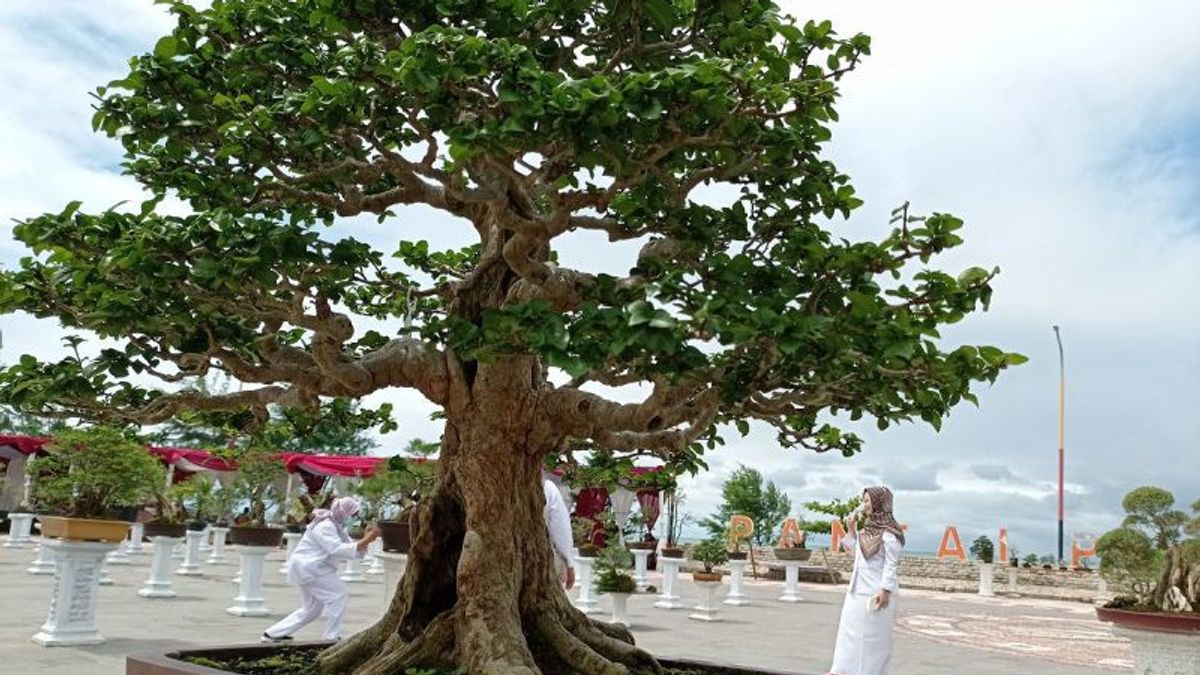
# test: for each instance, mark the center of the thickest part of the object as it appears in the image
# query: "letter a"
(955, 548)
(838, 531)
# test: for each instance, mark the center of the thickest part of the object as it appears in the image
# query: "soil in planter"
(302, 661)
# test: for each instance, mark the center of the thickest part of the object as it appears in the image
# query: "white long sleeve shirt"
(879, 572)
(319, 552)
(558, 522)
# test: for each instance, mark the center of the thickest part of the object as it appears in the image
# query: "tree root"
(435, 645)
(574, 651)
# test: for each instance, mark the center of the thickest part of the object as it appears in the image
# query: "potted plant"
(581, 533)
(675, 523)
(258, 468)
(985, 552)
(735, 541)
(1014, 558)
(1030, 561)
(613, 578)
(86, 475)
(197, 498)
(641, 520)
(400, 487)
(1161, 614)
(168, 518)
(1047, 562)
(798, 551)
(708, 553)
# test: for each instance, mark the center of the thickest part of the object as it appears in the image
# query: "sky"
(1066, 134)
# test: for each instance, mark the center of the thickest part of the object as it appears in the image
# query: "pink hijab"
(340, 512)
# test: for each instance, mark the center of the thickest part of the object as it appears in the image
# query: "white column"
(736, 569)
(237, 578)
(136, 533)
(72, 617)
(291, 538)
(1157, 652)
(1012, 579)
(217, 555)
(640, 558)
(206, 533)
(584, 601)
(44, 562)
(985, 579)
(249, 600)
(707, 609)
(791, 590)
(158, 585)
(373, 551)
(620, 608)
(119, 556)
(191, 555)
(393, 571)
(105, 578)
(667, 599)
(177, 552)
(353, 574)
(20, 525)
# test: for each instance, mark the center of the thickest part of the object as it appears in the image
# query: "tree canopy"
(1151, 510)
(744, 493)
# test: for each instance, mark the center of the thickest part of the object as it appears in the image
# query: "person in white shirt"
(558, 522)
(313, 566)
(864, 640)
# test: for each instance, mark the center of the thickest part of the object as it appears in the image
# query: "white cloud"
(1064, 133)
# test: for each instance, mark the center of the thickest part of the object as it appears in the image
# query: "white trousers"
(324, 596)
(864, 639)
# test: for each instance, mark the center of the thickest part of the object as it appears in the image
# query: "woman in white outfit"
(313, 566)
(864, 640)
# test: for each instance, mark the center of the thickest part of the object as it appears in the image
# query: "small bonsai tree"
(89, 472)
(983, 549)
(1165, 581)
(710, 552)
(734, 541)
(612, 565)
(197, 499)
(1031, 560)
(581, 533)
(258, 469)
(676, 519)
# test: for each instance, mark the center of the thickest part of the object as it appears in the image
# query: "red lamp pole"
(1062, 401)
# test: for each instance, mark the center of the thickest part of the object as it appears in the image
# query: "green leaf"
(166, 47)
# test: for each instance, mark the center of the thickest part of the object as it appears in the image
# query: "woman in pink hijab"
(313, 566)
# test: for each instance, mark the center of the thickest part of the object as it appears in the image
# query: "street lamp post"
(1062, 401)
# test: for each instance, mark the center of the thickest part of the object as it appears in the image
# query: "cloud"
(1066, 139)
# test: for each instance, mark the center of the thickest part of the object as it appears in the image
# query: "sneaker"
(268, 638)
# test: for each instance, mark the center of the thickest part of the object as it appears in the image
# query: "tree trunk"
(480, 590)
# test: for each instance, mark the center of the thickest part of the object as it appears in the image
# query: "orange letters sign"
(740, 528)
(1003, 546)
(951, 546)
(1078, 552)
(838, 532)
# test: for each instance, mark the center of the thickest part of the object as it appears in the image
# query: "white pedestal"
(640, 558)
(620, 608)
(205, 535)
(1161, 653)
(584, 601)
(72, 618)
(737, 569)
(373, 551)
(158, 585)
(20, 525)
(353, 574)
(217, 555)
(119, 556)
(105, 578)
(177, 552)
(291, 539)
(667, 599)
(393, 571)
(985, 579)
(136, 533)
(1012, 579)
(191, 555)
(791, 587)
(249, 600)
(44, 562)
(708, 607)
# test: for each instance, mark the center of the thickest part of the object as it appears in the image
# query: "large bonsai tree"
(693, 128)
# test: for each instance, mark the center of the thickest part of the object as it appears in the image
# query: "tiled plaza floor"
(938, 634)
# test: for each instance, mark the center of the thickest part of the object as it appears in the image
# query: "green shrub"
(983, 549)
(88, 472)
(710, 552)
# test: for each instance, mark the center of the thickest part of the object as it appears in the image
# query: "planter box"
(175, 530)
(642, 545)
(672, 552)
(83, 529)
(170, 663)
(793, 554)
(256, 536)
(396, 535)
(1163, 643)
(706, 576)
